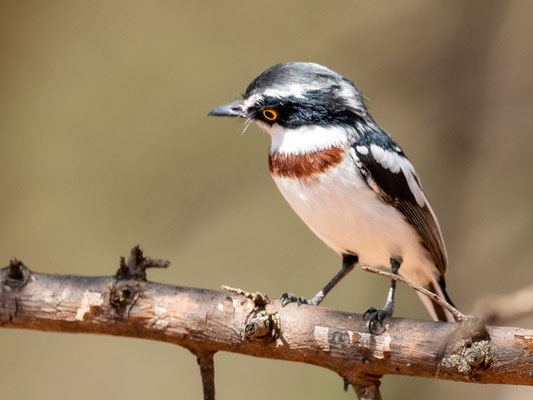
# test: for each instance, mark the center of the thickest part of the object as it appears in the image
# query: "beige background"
(105, 143)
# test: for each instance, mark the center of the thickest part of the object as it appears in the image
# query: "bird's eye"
(270, 115)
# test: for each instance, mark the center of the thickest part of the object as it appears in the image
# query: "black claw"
(375, 319)
(368, 312)
(287, 298)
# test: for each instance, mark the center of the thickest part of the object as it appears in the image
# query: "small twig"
(15, 269)
(207, 369)
(259, 299)
(16, 275)
(366, 387)
(137, 264)
(368, 392)
(434, 297)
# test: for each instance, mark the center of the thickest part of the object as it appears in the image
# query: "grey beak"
(234, 109)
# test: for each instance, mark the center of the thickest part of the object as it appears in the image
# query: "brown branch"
(506, 307)
(207, 370)
(206, 321)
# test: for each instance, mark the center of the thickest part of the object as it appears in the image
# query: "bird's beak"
(235, 110)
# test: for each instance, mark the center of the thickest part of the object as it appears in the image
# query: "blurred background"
(105, 143)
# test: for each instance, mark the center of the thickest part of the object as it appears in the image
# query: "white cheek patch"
(305, 139)
(395, 163)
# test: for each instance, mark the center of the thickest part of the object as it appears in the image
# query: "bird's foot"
(376, 318)
(287, 298)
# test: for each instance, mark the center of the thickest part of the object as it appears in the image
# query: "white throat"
(305, 139)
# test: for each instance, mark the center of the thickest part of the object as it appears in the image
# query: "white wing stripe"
(395, 163)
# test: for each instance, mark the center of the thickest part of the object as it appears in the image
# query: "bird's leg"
(376, 317)
(348, 263)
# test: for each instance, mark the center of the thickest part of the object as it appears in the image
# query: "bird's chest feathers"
(316, 173)
(341, 209)
(307, 167)
(305, 153)
(328, 201)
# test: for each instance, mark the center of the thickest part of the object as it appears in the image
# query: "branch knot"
(123, 296)
(16, 275)
(135, 267)
(469, 349)
(263, 321)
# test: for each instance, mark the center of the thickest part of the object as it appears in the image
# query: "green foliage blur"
(105, 143)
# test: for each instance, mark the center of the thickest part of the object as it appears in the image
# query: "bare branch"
(207, 370)
(137, 265)
(498, 309)
(206, 321)
(368, 392)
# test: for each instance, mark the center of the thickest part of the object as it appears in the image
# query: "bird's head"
(303, 102)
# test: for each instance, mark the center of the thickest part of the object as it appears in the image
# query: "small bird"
(346, 178)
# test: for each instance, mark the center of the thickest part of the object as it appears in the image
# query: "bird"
(347, 179)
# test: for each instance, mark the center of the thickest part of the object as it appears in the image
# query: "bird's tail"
(435, 310)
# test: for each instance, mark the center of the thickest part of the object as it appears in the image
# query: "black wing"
(386, 169)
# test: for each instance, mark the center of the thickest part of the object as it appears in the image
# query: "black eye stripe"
(313, 108)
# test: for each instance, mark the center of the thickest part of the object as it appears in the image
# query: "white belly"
(348, 216)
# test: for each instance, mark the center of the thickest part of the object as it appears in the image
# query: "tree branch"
(207, 370)
(206, 321)
(505, 307)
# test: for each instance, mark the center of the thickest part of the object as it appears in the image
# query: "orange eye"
(271, 115)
